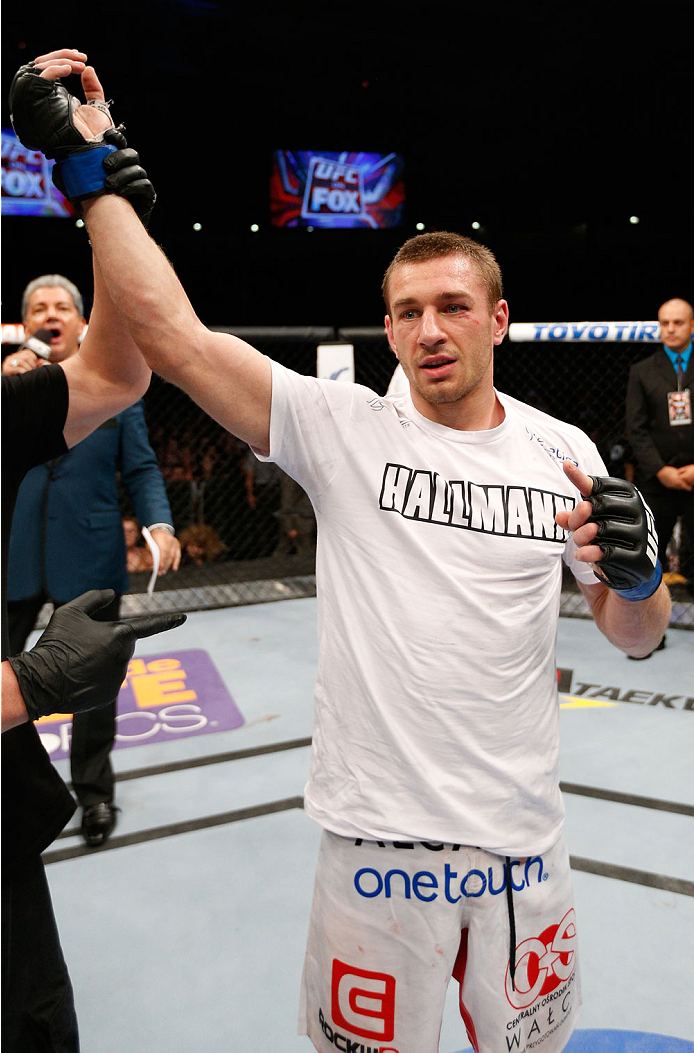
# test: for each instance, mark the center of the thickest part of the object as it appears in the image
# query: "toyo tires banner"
(587, 332)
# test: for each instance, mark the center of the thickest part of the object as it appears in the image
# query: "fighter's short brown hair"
(424, 247)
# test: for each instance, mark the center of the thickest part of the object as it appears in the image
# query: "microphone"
(40, 342)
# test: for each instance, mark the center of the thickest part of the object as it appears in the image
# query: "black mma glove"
(127, 178)
(626, 534)
(42, 116)
(78, 663)
(41, 113)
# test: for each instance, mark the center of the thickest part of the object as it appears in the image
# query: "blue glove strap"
(83, 172)
(646, 589)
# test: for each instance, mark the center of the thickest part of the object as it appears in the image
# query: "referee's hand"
(80, 663)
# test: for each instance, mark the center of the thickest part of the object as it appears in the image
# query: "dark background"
(550, 125)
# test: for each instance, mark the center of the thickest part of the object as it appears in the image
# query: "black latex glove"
(79, 663)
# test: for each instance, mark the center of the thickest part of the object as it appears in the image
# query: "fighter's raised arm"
(228, 378)
(108, 373)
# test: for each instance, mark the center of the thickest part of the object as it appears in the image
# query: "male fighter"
(444, 516)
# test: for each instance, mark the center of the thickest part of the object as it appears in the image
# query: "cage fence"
(247, 530)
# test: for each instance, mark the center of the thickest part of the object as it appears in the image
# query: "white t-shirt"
(438, 572)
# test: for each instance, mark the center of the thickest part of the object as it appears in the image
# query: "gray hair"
(52, 281)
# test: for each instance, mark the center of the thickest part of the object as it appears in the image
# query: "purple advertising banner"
(164, 697)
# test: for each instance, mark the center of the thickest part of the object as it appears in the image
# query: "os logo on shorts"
(363, 1002)
(543, 962)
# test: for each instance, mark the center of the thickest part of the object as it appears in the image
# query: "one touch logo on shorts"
(363, 1002)
(543, 962)
(428, 886)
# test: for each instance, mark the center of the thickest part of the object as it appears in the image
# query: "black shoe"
(98, 821)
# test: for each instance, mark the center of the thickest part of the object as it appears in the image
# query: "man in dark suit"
(661, 428)
(67, 534)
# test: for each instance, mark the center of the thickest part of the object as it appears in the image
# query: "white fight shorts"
(391, 922)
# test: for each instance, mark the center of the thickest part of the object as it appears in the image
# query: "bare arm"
(635, 627)
(227, 377)
(224, 375)
(13, 709)
(107, 374)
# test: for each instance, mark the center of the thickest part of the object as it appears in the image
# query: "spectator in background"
(208, 462)
(137, 554)
(176, 461)
(157, 439)
(219, 497)
(67, 535)
(258, 528)
(297, 520)
(661, 429)
(263, 482)
(200, 543)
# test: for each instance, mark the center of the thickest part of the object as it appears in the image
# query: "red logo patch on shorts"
(363, 1002)
(543, 962)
